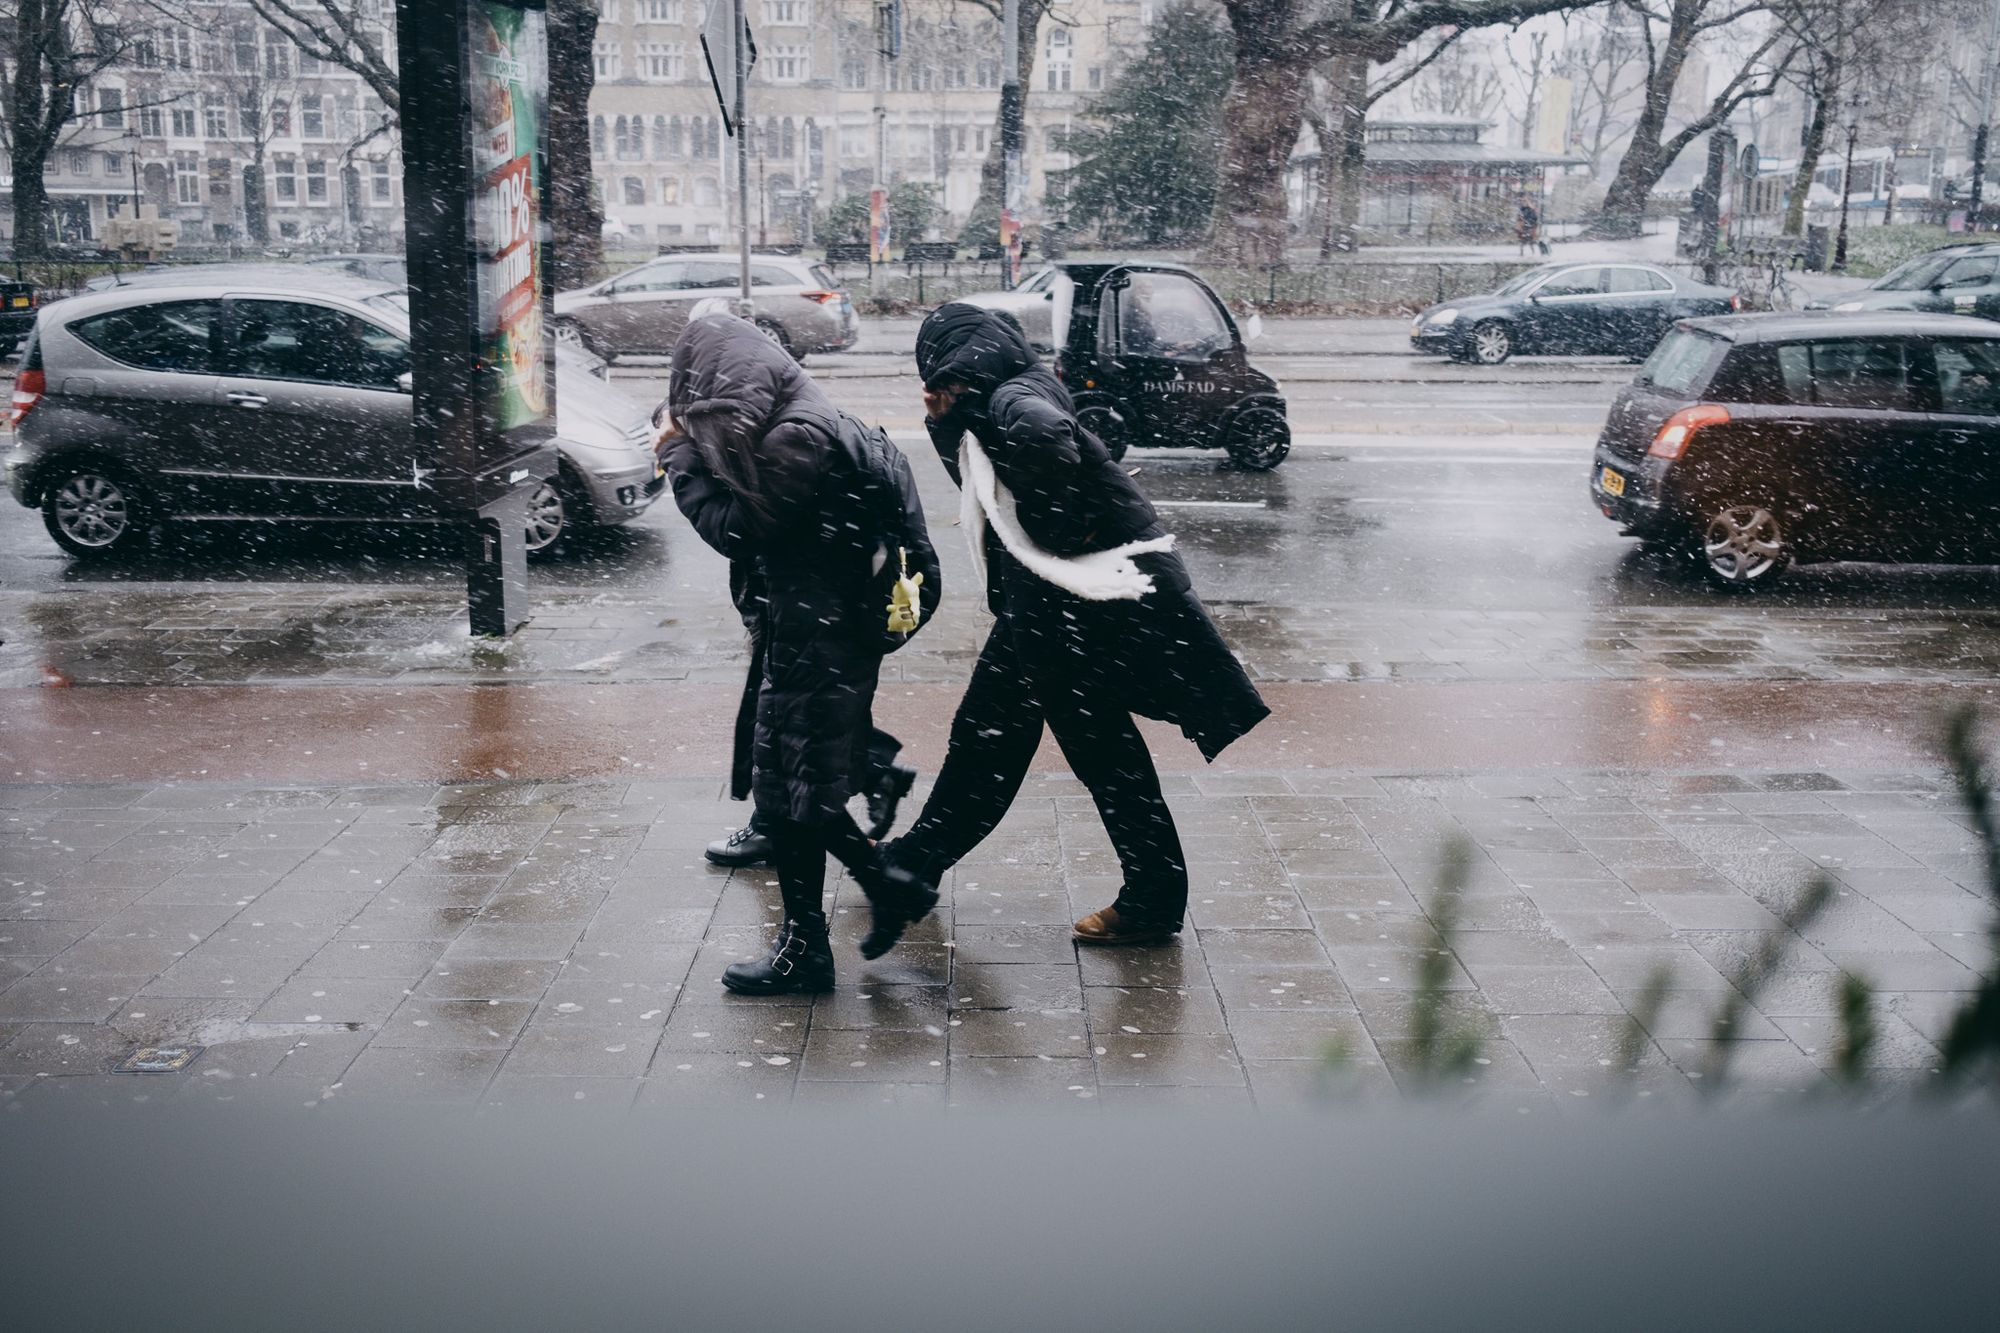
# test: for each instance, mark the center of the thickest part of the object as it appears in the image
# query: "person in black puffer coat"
(759, 473)
(1096, 621)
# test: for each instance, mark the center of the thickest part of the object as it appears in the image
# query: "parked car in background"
(1152, 357)
(643, 310)
(389, 270)
(18, 304)
(1758, 440)
(1957, 280)
(223, 394)
(1591, 309)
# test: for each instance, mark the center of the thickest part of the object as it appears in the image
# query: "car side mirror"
(406, 382)
(1048, 296)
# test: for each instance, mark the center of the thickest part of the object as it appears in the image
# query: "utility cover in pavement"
(157, 1060)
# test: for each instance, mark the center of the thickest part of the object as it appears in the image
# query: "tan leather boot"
(1105, 926)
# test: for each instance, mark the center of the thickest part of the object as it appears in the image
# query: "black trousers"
(882, 747)
(993, 740)
(799, 852)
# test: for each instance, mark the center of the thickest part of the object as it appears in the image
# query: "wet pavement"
(263, 793)
(518, 942)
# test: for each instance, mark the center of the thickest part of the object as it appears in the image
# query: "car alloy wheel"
(548, 517)
(1744, 546)
(775, 331)
(89, 512)
(1492, 344)
(569, 331)
(1101, 417)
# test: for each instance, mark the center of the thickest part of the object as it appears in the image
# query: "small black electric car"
(1152, 357)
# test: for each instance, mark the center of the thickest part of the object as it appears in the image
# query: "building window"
(277, 56)
(218, 178)
(309, 63)
(346, 119)
(635, 191)
(670, 190)
(281, 118)
(854, 65)
(114, 164)
(285, 179)
(986, 74)
(378, 174)
(1094, 77)
(854, 141)
(111, 108)
(659, 11)
(146, 49)
(187, 178)
(660, 62)
(707, 194)
(215, 118)
(605, 56)
(79, 164)
(1062, 50)
(184, 127)
(788, 147)
(676, 137)
(312, 118)
(315, 182)
(153, 122)
(628, 137)
(790, 63)
(243, 38)
(597, 136)
(792, 13)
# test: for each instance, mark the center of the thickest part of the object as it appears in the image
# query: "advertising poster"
(507, 50)
(878, 226)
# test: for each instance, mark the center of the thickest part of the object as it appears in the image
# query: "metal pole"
(1010, 130)
(1985, 134)
(1846, 193)
(739, 43)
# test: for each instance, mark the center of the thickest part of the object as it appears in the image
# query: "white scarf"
(1099, 576)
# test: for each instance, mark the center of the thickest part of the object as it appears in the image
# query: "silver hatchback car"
(643, 310)
(233, 394)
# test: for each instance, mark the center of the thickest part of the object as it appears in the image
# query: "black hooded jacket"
(796, 580)
(1160, 656)
(1073, 497)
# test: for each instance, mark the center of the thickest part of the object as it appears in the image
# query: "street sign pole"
(474, 89)
(1010, 142)
(742, 159)
(1983, 137)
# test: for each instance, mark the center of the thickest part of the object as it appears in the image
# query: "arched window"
(697, 136)
(771, 143)
(676, 138)
(707, 194)
(597, 135)
(670, 190)
(659, 136)
(790, 143)
(618, 132)
(715, 136)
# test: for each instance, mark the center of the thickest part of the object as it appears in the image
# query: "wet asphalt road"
(1414, 485)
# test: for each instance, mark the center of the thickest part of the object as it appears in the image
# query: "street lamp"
(1847, 182)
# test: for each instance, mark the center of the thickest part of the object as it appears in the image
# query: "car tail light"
(1736, 303)
(825, 298)
(1672, 441)
(29, 386)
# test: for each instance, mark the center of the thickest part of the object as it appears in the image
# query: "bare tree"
(336, 32)
(51, 50)
(1529, 73)
(1604, 66)
(993, 171)
(1670, 31)
(1279, 43)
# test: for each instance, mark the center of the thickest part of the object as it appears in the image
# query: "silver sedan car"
(233, 393)
(643, 310)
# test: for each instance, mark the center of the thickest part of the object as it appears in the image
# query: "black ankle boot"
(898, 897)
(800, 962)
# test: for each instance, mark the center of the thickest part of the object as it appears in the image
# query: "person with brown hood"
(1096, 621)
(757, 465)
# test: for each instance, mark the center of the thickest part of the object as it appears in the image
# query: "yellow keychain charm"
(905, 608)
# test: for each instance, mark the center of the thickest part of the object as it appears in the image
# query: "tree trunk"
(994, 168)
(1645, 159)
(1809, 155)
(1261, 121)
(31, 205)
(1353, 156)
(576, 219)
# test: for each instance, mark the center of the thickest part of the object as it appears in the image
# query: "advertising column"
(474, 89)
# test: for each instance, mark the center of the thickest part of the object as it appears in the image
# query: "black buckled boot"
(898, 897)
(800, 962)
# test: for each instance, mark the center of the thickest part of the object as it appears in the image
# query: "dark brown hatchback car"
(1755, 440)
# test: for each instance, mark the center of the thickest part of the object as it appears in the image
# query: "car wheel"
(1259, 439)
(569, 331)
(92, 511)
(1491, 344)
(548, 518)
(1101, 417)
(1744, 545)
(775, 331)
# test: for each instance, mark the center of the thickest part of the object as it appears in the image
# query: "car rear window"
(171, 335)
(824, 277)
(1679, 362)
(1968, 376)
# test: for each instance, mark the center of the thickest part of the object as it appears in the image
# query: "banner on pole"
(878, 226)
(507, 81)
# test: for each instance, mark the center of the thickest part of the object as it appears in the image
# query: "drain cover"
(157, 1060)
